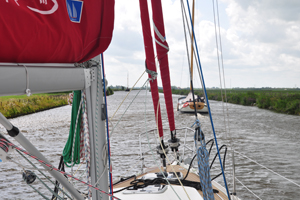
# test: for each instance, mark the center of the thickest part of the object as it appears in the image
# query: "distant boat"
(186, 104)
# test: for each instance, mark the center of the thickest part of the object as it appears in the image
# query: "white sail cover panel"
(54, 31)
(189, 97)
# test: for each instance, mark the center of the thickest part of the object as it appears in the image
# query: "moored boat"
(186, 104)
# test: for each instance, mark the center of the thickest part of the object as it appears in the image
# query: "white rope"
(85, 141)
(268, 169)
(74, 138)
(104, 158)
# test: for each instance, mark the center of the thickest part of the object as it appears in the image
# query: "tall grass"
(282, 101)
(21, 105)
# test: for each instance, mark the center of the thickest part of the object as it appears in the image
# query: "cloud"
(260, 43)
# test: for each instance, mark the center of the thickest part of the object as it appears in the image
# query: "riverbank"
(285, 101)
(14, 106)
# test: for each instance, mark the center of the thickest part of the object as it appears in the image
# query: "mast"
(162, 49)
(127, 80)
(150, 63)
(94, 96)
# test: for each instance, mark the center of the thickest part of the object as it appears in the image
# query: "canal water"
(268, 138)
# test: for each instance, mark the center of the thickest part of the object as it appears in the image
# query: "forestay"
(54, 31)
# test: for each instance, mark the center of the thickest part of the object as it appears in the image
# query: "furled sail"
(54, 31)
(162, 49)
(150, 62)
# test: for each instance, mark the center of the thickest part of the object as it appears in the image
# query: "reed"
(14, 106)
(278, 100)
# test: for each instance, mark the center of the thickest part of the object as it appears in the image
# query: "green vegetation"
(13, 106)
(109, 91)
(279, 100)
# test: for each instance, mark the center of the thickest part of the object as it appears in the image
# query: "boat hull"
(188, 107)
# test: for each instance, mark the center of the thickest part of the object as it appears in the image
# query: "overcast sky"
(260, 42)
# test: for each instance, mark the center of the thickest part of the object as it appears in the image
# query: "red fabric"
(150, 61)
(162, 55)
(27, 36)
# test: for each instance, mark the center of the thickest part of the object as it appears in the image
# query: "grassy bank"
(13, 106)
(279, 100)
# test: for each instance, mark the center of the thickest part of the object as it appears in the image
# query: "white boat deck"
(169, 193)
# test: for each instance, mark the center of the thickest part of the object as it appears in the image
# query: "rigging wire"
(39, 170)
(248, 189)
(126, 97)
(269, 169)
(225, 182)
(184, 17)
(226, 119)
(128, 107)
(190, 63)
(17, 161)
(219, 43)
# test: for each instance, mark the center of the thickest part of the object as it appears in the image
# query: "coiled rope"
(71, 152)
(85, 141)
(204, 169)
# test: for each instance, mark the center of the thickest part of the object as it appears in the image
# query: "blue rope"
(205, 93)
(204, 169)
(107, 132)
(196, 122)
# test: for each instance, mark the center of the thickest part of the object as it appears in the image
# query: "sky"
(260, 43)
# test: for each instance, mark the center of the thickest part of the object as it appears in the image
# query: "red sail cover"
(162, 49)
(54, 31)
(150, 62)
